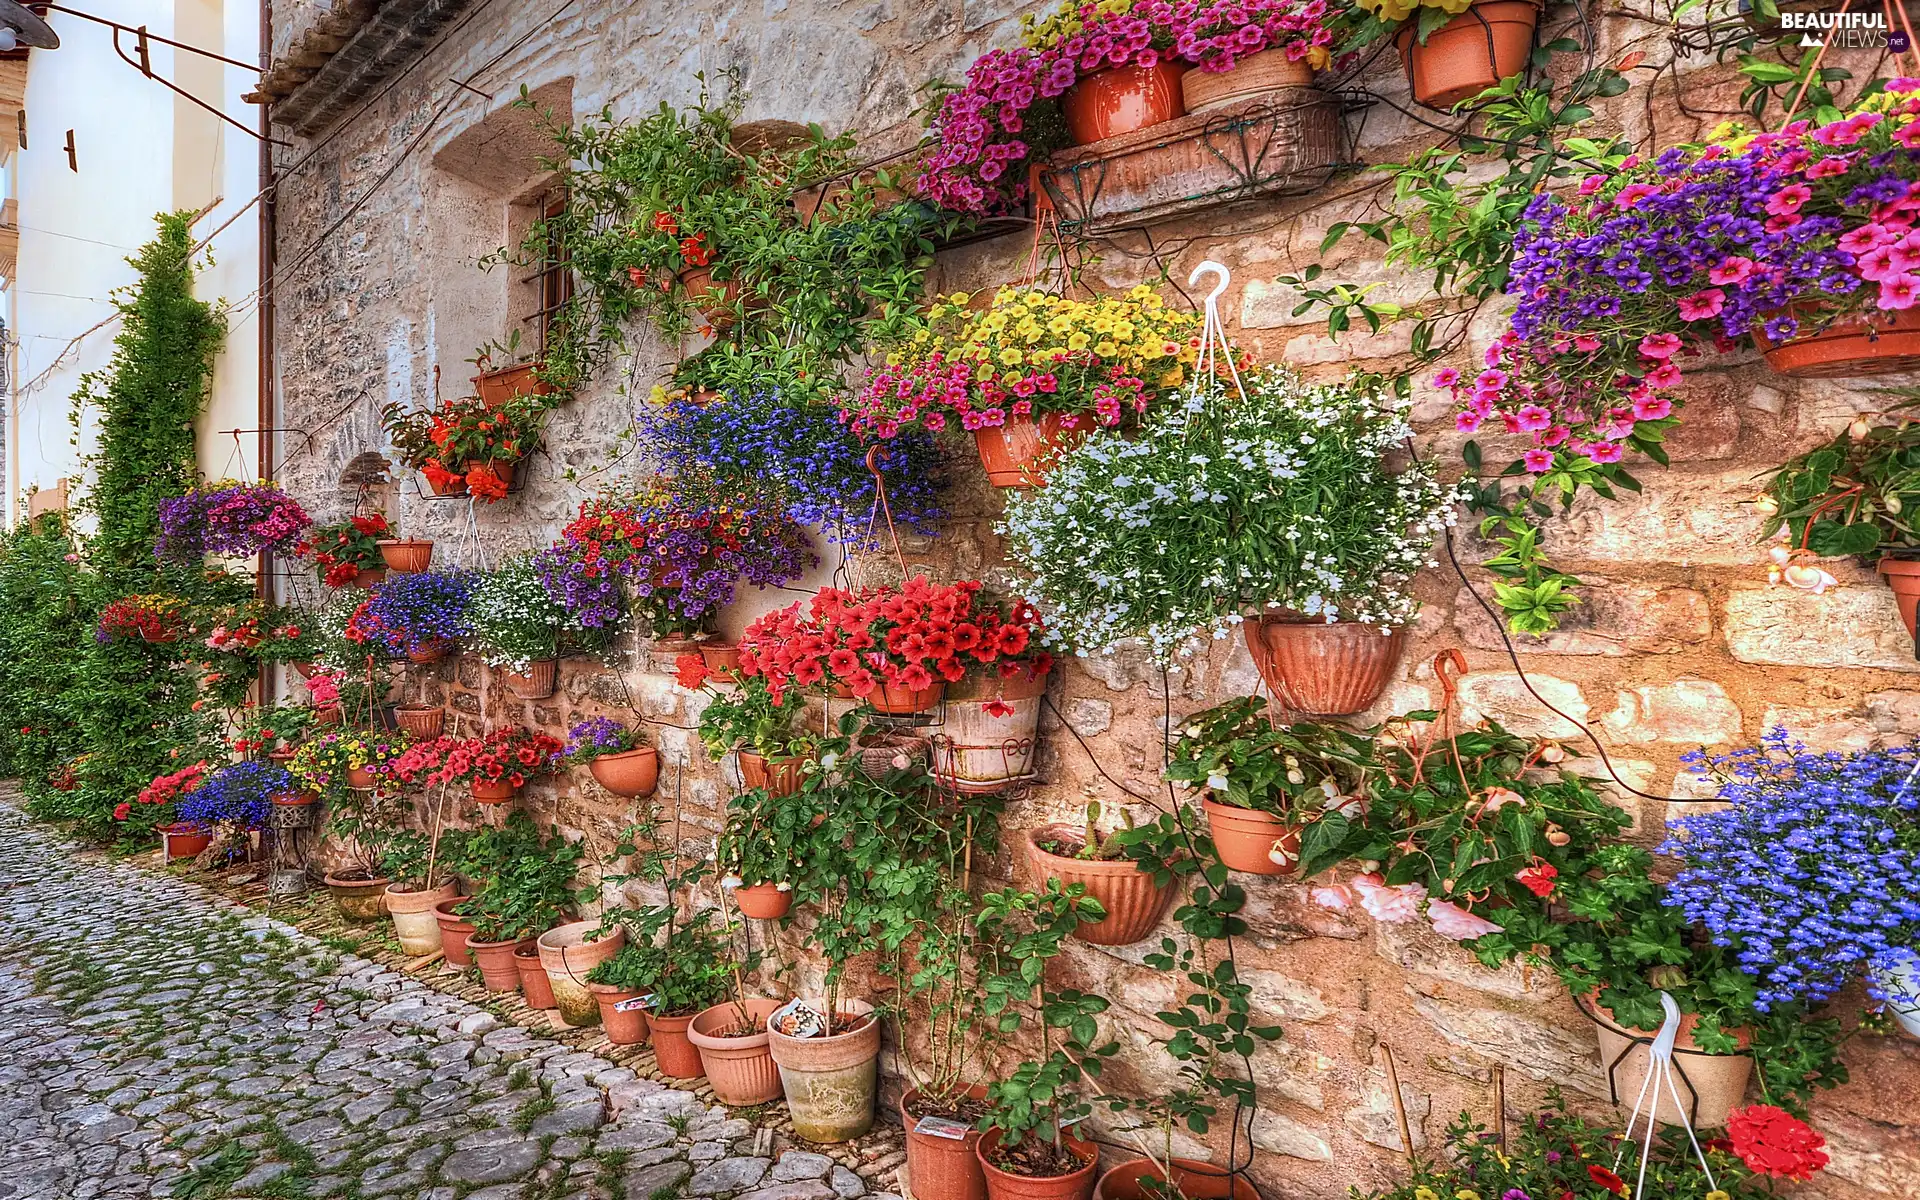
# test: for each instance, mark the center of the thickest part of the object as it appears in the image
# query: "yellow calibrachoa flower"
(1423, 1192)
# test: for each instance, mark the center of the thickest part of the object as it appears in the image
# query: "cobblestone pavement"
(157, 1040)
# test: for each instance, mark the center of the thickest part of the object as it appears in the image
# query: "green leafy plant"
(748, 717)
(1854, 496)
(1238, 754)
(526, 879)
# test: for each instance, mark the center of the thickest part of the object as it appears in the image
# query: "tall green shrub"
(44, 629)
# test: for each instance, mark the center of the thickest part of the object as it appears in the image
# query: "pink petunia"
(1633, 194)
(1446, 377)
(1788, 199)
(1702, 304)
(1456, 924)
(1652, 408)
(1899, 292)
(1467, 421)
(1666, 375)
(1532, 418)
(1660, 345)
(1734, 269)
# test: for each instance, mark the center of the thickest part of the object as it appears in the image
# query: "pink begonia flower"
(1457, 924)
(1389, 905)
(1499, 797)
(1336, 896)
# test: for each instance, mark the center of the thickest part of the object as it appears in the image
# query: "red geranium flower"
(1607, 1179)
(1772, 1141)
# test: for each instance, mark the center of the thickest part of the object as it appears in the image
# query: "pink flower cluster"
(931, 391)
(1395, 904)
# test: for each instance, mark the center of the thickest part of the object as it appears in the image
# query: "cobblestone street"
(159, 1040)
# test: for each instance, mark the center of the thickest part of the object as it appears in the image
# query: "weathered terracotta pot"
(568, 956)
(634, 772)
(405, 556)
(624, 1026)
(454, 932)
(763, 902)
(1253, 76)
(1125, 889)
(304, 669)
(492, 791)
(714, 300)
(534, 984)
(946, 1167)
(1718, 1082)
(421, 721)
(739, 1069)
(430, 652)
(1322, 669)
(1017, 453)
(988, 737)
(497, 968)
(901, 701)
(720, 656)
(536, 684)
(159, 637)
(1246, 839)
(781, 777)
(359, 899)
(414, 920)
(499, 388)
(1005, 1185)
(181, 840)
(446, 485)
(1192, 1179)
(332, 714)
(1470, 53)
(1119, 100)
(1903, 576)
(676, 1056)
(1869, 343)
(830, 1081)
(366, 577)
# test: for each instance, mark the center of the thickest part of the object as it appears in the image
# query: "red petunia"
(1607, 1179)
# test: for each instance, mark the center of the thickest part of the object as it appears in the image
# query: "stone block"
(1683, 517)
(1692, 712)
(1844, 627)
(1504, 697)
(1277, 1134)
(1614, 620)
(1822, 729)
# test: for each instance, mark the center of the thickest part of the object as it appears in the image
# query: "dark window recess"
(554, 280)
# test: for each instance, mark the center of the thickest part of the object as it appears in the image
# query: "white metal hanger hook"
(1193, 280)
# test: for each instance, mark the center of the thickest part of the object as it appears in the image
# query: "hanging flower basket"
(715, 300)
(1903, 576)
(1249, 840)
(430, 652)
(720, 657)
(492, 791)
(634, 773)
(1122, 99)
(1876, 342)
(1469, 54)
(780, 777)
(1016, 454)
(1320, 668)
(1256, 75)
(1718, 1081)
(497, 389)
(1125, 889)
(763, 901)
(405, 555)
(536, 684)
(422, 722)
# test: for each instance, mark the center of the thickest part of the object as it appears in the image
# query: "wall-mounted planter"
(1470, 53)
(1900, 984)
(1246, 839)
(499, 388)
(537, 684)
(720, 657)
(763, 902)
(405, 556)
(1252, 77)
(903, 701)
(421, 721)
(446, 485)
(1121, 100)
(987, 740)
(366, 577)
(631, 773)
(1875, 342)
(492, 791)
(430, 652)
(1016, 454)
(1124, 888)
(1320, 668)
(715, 299)
(781, 777)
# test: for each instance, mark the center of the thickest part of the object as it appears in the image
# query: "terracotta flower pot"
(1255, 75)
(781, 777)
(739, 1069)
(422, 721)
(634, 772)
(1016, 454)
(1718, 1082)
(359, 777)
(534, 984)
(1005, 1185)
(405, 556)
(359, 899)
(624, 1026)
(1119, 100)
(943, 1164)
(430, 652)
(332, 714)
(901, 701)
(499, 388)
(763, 902)
(366, 577)
(1125, 889)
(160, 637)
(1321, 669)
(454, 932)
(1470, 53)
(720, 657)
(989, 735)
(1903, 576)
(497, 968)
(304, 669)
(1144, 1179)
(536, 684)
(181, 840)
(1246, 840)
(415, 921)
(714, 300)
(1868, 343)
(568, 955)
(830, 1081)
(492, 791)
(675, 1055)
(447, 485)
(294, 799)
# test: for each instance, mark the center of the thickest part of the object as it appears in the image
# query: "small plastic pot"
(674, 1053)
(497, 967)
(739, 1069)
(534, 984)
(624, 1026)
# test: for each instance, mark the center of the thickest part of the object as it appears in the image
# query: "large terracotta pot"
(625, 1026)
(830, 1081)
(1246, 840)
(1470, 53)
(1869, 343)
(739, 1069)
(1718, 1082)
(1017, 453)
(676, 1056)
(414, 920)
(634, 772)
(720, 657)
(714, 300)
(763, 902)
(1005, 1185)
(497, 968)
(781, 777)
(1125, 889)
(1903, 576)
(181, 840)
(359, 899)
(499, 388)
(536, 684)
(404, 556)
(1119, 100)
(1253, 76)
(492, 791)
(1144, 1179)
(454, 932)
(943, 1164)
(421, 721)
(534, 984)
(901, 701)
(568, 956)
(1322, 669)
(989, 735)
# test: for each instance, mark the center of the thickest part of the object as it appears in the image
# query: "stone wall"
(1682, 643)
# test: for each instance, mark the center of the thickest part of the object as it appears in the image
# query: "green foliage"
(687, 962)
(748, 717)
(1854, 495)
(1241, 755)
(525, 880)
(45, 627)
